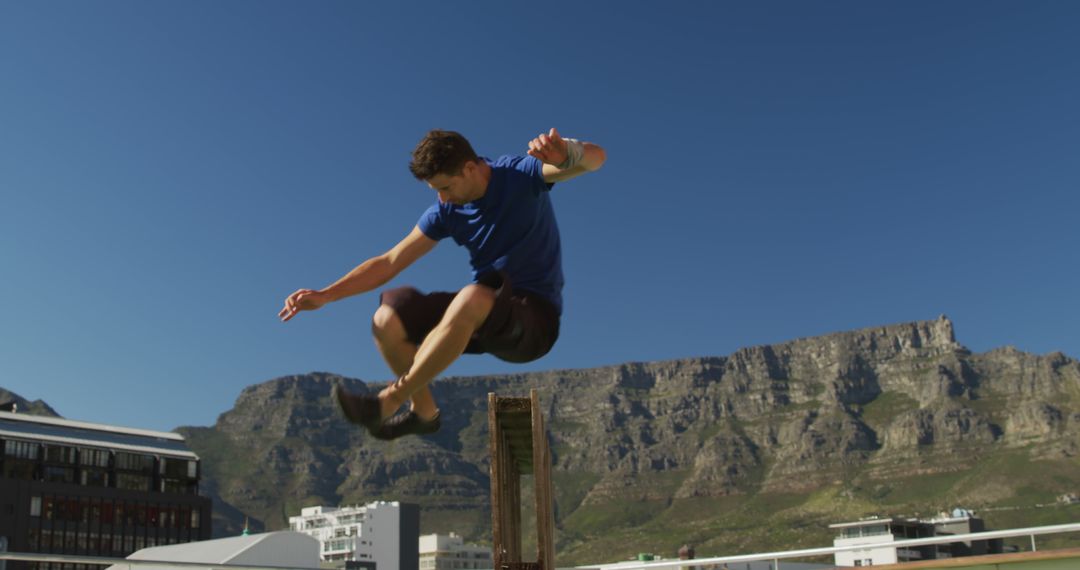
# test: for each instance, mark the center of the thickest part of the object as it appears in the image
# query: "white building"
(376, 536)
(872, 531)
(449, 552)
(894, 529)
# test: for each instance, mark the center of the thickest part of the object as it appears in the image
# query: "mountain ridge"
(859, 416)
(760, 449)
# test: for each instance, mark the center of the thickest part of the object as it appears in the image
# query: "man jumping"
(501, 212)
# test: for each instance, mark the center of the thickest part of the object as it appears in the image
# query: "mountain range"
(758, 450)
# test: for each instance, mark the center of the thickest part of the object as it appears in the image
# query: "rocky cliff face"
(852, 409)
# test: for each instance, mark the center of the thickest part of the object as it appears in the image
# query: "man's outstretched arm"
(369, 275)
(565, 158)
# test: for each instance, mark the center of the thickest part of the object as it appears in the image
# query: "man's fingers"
(292, 304)
(547, 147)
(536, 149)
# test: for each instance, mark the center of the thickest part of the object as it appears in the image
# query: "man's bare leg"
(399, 353)
(443, 345)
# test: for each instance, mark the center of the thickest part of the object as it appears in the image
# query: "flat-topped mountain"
(757, 450)
(762, 448)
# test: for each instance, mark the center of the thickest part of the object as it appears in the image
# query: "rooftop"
(872, 522)
(71, 432)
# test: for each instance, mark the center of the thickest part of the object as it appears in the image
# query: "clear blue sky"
(170, 171)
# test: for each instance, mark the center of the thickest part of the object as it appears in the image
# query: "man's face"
(456, 189)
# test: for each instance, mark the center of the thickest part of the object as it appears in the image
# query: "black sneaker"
(360, 409)
(408, 423)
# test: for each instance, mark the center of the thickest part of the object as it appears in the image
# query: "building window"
(132, 482)
(135, 462)
(20, 469)
(59, 474)
(21, 449)
(35, 506)
(93, 511)
(60, 454)
(177, 468)
(164, 517)
(183, 487)
(95, 478)
(93, 457)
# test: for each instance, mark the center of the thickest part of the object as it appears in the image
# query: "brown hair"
(440, 152)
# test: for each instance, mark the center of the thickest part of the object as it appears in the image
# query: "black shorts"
(522, 326)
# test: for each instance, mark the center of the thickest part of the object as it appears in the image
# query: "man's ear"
(468, 170)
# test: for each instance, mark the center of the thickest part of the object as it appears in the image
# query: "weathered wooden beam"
(519, 446)
(545, 513)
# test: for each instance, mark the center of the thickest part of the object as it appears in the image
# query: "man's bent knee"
(386, 324)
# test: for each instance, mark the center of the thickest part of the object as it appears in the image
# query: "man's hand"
(549, 148)
(302, 300)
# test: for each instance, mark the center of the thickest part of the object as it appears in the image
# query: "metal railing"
(776, 557)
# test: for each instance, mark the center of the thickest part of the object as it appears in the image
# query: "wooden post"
(519, 446)
(545, 506)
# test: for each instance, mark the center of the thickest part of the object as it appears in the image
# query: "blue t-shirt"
(511, 228)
